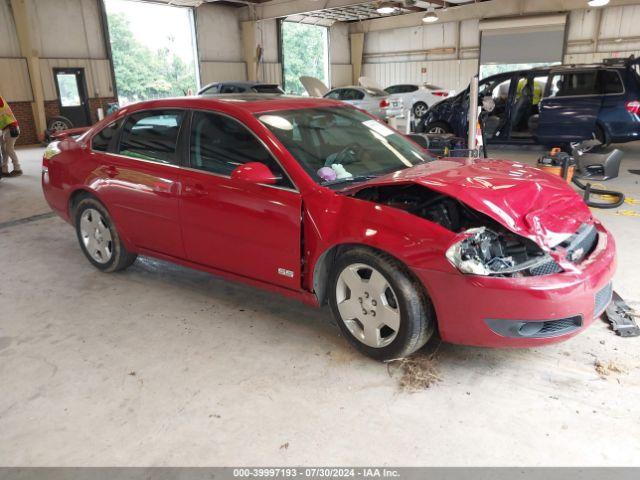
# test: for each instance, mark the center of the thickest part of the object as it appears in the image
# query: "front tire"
(420, 109)
(380, 307)
(99, 239)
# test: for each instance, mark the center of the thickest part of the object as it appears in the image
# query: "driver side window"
(220, 144)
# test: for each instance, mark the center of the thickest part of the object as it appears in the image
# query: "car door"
(139, 180)
(500, 89)
(251, 230)
(570, 107)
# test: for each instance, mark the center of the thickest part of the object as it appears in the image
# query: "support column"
(22, 10)
(249, 45)
(357, 46)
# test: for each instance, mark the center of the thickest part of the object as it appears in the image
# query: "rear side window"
(212, 89)
(102, 140)
(572, 84)
(610, 82)
(220, 144)
(401, 89)
(152, 135)
(232, 89)
(334, 95)
(351, 94)
(267, 89)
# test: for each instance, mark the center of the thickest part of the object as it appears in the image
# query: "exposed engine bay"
(489, 248)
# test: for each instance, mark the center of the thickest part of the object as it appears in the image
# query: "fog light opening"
(530, 329)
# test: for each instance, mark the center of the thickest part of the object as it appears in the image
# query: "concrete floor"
(161, 365)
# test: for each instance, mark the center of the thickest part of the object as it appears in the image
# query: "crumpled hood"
(524, 199)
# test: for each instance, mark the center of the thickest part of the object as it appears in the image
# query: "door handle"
(196, 190)
(112, 171)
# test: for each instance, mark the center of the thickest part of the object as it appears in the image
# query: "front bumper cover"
(493, 311)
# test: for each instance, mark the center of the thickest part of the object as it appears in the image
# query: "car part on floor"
(600, 166)
(557, 159)
(622, 317)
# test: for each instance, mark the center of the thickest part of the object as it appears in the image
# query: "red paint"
(254, 172)
(243, 228)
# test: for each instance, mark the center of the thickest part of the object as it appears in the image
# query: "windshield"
(337, 144)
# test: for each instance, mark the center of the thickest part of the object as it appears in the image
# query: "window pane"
(572, 84)
(343, 140)
(102, 140)
(610, 82)
(68, 86)
(267, 89)
(152, 135)
(220, 144)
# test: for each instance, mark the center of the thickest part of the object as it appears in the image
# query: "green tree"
(304, 48)
(142, 73)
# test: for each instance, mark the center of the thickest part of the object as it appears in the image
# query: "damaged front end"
(483, 245)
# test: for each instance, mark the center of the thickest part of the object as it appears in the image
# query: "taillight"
(633, 107)
(384, 103)
(440, 94)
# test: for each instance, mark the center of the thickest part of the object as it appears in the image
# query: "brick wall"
(95, 103)
(24, 115)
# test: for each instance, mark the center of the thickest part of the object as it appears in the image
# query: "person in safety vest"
(9, 133)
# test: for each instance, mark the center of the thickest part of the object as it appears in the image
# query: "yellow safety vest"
(6, 115)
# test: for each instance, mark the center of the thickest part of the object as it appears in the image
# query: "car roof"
(248, 102)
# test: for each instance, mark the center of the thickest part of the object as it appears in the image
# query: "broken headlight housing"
(485, 252)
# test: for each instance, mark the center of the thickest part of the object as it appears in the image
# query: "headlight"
(485, 252)
(52, 150)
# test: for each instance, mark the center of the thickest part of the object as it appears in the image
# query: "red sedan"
(317, 200)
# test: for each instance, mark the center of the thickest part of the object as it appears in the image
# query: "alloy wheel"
(58, 126)
(368, 305)
(96, 236)
(437, 130)
(419, 110)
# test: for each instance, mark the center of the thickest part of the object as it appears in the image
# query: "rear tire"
(98, 237)
(379, 305)
(600, 135)
(438, 128)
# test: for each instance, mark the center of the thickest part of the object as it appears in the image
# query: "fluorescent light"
(384, 10)
(597, 3)
(430, 17)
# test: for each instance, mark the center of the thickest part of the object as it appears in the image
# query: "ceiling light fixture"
(598, 3)
(385, 9)
(430, 17)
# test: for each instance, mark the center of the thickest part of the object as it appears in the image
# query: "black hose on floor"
(588, 190)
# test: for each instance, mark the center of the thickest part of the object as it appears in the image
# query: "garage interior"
(161, 365)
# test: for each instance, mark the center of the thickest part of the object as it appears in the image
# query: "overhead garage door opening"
(152, 59)
(305, 52)
(522, 43)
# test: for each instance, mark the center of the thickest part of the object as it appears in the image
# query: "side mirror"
(254, 172)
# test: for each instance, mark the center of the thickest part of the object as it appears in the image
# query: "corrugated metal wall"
(97, 75)
(222, 71)
(451, 57)
(66, 33)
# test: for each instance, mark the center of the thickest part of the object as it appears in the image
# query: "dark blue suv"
(551, 106)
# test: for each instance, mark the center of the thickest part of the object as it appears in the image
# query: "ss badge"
(286, 273)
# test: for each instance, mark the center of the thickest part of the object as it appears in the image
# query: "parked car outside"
(551, 106)
(373, 100)
(322, 202)
(221, 88)
(419, 98)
